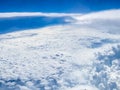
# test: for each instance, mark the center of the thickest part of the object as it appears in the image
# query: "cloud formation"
(22, 14)
(107, 14)
(108, 20)
(75, 56)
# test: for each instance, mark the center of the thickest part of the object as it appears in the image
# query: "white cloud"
(20, 14)
(64, 54)
(107, 14)
(106, 21)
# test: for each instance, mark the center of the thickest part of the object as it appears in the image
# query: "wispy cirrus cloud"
(22, 14)
(107, 14)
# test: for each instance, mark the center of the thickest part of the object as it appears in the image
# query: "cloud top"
(107, 14)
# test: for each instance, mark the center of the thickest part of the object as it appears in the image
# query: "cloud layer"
(77, 56)
(22, 14)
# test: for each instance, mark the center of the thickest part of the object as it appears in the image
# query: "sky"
(39, 10)
(59, 6)
(82, 55)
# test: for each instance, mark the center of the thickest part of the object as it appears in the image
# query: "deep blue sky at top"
(60, 6)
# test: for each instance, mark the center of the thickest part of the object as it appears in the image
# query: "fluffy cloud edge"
(106, 14)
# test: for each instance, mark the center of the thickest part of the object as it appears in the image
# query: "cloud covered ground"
(81, 55)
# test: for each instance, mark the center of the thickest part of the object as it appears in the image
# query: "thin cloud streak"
(22, 14)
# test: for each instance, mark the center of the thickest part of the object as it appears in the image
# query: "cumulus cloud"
(63, 57)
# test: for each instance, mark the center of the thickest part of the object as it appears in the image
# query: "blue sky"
(87, 49)
(64, 6)
(28, 22)
(47, 6)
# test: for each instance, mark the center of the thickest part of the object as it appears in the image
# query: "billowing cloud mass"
(107, 14)
(106, 21)
(81, 55)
